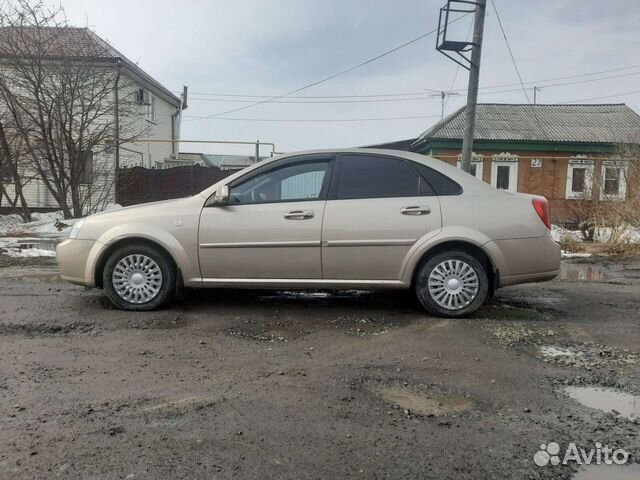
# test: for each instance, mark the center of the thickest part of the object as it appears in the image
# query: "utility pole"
(474, 80)
(444, 44)
(535, 96)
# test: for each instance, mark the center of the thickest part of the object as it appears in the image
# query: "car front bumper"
(73, 256)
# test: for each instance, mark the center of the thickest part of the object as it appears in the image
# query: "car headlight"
(75, 230)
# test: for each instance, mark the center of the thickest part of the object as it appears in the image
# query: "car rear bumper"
(72, 256)
(525, 260)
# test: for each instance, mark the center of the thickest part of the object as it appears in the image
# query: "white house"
(153, 115)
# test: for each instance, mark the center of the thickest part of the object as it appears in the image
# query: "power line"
(430, 97)
(330, 77)
(488, 87)
(316, 120)
(513, 60)
(601, 98)
(337, 120)
(515, 65)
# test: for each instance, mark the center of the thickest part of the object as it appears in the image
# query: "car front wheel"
(138, 277)
(452, 284)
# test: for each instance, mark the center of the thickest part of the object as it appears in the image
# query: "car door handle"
(299, 214)
(416, 210)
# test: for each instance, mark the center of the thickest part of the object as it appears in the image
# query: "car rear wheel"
(138, 277)
(452, 284)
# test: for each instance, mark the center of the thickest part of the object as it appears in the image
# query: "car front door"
(270, 227)
(378, 207)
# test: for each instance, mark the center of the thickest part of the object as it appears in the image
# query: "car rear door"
(378, 207)
(271, 227)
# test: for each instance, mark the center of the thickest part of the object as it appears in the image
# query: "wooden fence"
(142, 185)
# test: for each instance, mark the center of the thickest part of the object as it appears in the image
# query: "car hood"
(163, 214)
(140, 209)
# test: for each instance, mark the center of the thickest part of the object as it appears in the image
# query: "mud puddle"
(37, 277)
(28, 247)
(31, 274)
(295, 327)
(423, 404)
(34, 243)
(46, 330)
(610, 472)
(314, 294)
(607, 400)
(583, 272)
(502, 311)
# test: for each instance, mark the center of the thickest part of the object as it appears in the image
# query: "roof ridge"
(438, 126)
(559, 123)
(555, 104)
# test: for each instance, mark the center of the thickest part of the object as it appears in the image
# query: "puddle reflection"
(607, 400)
(582, 272)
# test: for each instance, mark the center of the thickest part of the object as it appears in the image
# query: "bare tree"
(62, 99)
(13, 171)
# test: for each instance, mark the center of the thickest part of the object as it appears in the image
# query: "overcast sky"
(270, 47)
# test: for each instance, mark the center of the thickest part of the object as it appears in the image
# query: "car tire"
(139, 277)
(451, 284)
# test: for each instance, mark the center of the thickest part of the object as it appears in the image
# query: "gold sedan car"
(340, 219)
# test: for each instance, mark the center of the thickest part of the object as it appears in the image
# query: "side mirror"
(221, 197)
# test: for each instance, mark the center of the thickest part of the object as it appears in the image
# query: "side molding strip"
(311, 243)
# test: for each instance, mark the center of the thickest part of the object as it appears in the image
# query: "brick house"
(551, 150)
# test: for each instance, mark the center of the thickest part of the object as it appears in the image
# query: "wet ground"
(255, 384)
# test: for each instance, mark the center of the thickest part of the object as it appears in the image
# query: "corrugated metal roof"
(229, 161)
(611, 123)
(397, 145)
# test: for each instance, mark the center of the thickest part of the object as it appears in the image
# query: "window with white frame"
(477, 165)
(151, 109)
(579, 178)
(613, 180)
(504, 172)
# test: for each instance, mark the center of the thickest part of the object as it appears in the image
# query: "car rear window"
(441, 184)
(376, 176)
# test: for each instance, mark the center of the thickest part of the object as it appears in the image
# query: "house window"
(614, 180)
(6, 175)
(504, 172)
(86, 172)
(477, 164)
(579, 178)
(151, 109)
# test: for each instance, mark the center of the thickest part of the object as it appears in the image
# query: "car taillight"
(542, 209)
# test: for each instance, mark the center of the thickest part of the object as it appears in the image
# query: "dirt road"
(241, 384)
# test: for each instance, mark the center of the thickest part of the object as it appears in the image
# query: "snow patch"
(575, 255)
(602, 234)
(29, 252)
(559, 233)
(551, 351)
(49, 224)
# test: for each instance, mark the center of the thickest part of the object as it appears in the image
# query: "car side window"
(299, 181)
(376, 176)
(440, 183)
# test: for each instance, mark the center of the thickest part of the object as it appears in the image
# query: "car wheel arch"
(133, 240)
(465, 246)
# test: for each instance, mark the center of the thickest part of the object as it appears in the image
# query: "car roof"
(468, 182)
